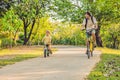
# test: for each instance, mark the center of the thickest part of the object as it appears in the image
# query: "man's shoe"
(95, 45)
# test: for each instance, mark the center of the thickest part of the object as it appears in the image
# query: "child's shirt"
(47, 39)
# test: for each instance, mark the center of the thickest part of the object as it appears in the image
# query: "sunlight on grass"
(109, 51)
(6, 52)
(13, 55)
(16, 58)
(13, 51)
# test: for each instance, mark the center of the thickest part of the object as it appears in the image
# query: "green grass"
(109, 66)
(11, 56)
(17, 58)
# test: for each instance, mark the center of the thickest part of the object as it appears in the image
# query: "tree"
(5, 6)
(28, 11)
(11, 23)
(106, 12)
(73, 11)
(108, 17)
(67, 11)
(40, 28)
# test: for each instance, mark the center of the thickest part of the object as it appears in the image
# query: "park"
(23, 25)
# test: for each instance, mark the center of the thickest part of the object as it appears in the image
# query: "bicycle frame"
(46, 51)
(90, 46)
(91, 43)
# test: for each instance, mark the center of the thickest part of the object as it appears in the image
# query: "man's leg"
(87, 42)
(94, 38)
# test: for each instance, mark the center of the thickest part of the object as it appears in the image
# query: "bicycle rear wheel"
(45, 51)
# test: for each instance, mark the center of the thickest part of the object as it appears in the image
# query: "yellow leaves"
(41, 26)
(0, 43)
(96, 73)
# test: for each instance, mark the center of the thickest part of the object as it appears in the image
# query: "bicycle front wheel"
(48, 52)
(91, 48)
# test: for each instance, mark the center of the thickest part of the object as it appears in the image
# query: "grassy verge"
(16, 58)
(11, 56)
(109, 66)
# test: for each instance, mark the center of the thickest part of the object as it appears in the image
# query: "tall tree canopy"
(106, 12)
(28, 11)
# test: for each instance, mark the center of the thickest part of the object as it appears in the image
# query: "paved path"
(68, 63)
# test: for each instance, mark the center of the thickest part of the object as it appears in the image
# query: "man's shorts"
(92, 32)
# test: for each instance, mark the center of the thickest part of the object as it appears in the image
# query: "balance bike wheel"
(45, 53)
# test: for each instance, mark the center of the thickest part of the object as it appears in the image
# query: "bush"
(5, 42)
(19, 42)
(21, 39)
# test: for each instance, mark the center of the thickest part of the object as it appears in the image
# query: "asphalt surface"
(68, 63)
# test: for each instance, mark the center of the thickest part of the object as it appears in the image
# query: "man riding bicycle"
(90, 24)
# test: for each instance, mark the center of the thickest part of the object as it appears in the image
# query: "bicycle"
(46, 51)
(90, 44)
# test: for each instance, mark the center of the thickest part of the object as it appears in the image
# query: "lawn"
(109, 66)
(13, 55)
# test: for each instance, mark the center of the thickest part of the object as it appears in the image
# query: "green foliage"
(67, 10)
(40, 28)
(112, 37)
(6, 42)
(68, 34)
(33, 17)
(11, 24)
(106, 12)
(5, 6)
(21, 38)
(28, 11)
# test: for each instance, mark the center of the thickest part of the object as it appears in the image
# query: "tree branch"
(31, 29)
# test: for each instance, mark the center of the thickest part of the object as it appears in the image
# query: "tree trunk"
(98, 37)
(26, 39)
(25, 35)
(114, 41)
(25, 31)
